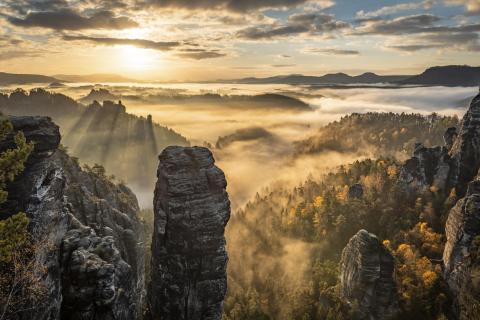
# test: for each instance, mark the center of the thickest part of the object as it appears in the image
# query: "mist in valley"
(270, 146)
(205, 113)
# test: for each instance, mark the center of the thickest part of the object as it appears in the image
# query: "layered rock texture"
(466, 148)
(462, 253)
(91, 258)
(189, 259)
(449, 167)
(367, 277)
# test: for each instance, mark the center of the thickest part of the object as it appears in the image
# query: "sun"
(135, 59)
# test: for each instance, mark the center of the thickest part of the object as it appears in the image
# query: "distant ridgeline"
(378, 134)
(127, 145)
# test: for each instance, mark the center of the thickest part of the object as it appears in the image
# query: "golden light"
(135, 59)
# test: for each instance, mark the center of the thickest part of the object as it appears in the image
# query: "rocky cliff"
(462, 253)
(466, 148)
(91, 258)
(366, 277)
(125, 144)
(449, 167)
(189, 258)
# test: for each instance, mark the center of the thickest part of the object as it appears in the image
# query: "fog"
(253, 135)
(260, 122)
(259, 161)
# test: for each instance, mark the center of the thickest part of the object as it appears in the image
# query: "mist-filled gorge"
(292, 161)
(239, 160)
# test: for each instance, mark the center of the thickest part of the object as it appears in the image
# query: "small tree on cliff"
(18, 282)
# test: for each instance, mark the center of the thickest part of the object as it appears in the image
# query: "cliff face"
(126, 145)
(366, 277)
(462, 253)
(466, 148)
(189, 258)
(451, 166)
(92, 257)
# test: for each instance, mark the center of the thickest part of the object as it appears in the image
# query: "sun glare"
(135, 59)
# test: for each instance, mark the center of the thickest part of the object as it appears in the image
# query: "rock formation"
(355, 191)
(428, 167)
(366, 277)
(462, 253)
(451, 166)
(91, 260)
(449, 137)
(466, 148)
(189, 258)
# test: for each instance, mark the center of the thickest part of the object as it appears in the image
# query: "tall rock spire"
(189, 258)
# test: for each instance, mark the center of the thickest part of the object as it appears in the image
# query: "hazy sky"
(211, 39)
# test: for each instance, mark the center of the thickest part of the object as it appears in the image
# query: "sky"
(194, 40)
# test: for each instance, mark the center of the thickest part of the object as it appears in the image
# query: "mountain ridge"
(448, 75)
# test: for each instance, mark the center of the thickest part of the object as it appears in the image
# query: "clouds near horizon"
(324, 33)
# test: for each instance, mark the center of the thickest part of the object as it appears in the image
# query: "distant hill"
(94, 78)
(260, 101)
(447, 76)
(331, 78)
(436, 76)
(14, 78)
(125, 144)
(377, 134)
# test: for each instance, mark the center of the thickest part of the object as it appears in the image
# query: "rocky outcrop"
(91, 258)
(426, 168)
(449, 137)
(462, 253)
(189, 258)
(366, 277)
(355, 191)
(451, 166)
(466, 149)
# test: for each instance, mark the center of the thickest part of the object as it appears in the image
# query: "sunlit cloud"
(71, 20)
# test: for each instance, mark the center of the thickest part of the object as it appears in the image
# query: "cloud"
(401, 25)
(71, 20)
(332, 51)
(394, 9)
(414, 47)
(472, 7)
(201, 54)
(182, 48)
(230, 5)
(300, 23)
(17, 54)
(139, 43)
(414, 24)
(422, 32)
(283, 65)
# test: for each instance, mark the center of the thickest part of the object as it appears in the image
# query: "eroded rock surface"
(466, 148)
(462, 253)
(91, 258)
(366, 277)
(189, 258)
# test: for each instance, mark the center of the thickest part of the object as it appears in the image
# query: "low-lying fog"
(257, 145)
